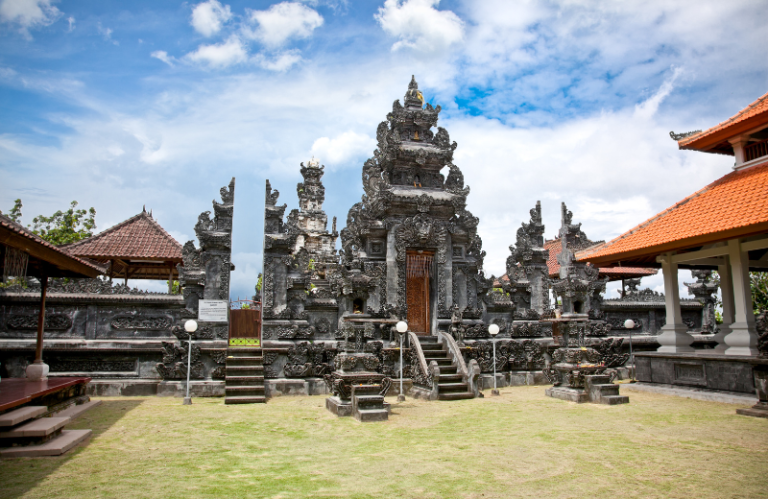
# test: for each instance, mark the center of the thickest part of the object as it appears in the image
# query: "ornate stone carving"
(141, 323)
(69, 365)
(174, 365)
(53, 322)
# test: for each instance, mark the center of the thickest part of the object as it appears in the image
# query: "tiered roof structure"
(138, 248)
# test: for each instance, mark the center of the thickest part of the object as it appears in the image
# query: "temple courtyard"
(521, 444)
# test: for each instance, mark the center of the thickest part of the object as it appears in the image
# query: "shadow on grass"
(20, 475)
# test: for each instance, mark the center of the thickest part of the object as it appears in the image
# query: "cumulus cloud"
(419, 25)
(28, 14)
(208, 17)
(220, 55)
(606, 167)
(283, 22)
(343, 149)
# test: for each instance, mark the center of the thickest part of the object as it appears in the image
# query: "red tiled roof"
(614, 273)
(750, 117)
(36, 242)
(735, 205)
(138, 238)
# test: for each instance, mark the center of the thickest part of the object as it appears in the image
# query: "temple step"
(37, 428)
(456, 396)
(244, 376)
(17, 416)
(450, 378)
(245, 400)
(614, 399)
(452, 387)
(54, 447)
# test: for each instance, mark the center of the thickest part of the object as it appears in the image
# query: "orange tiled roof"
(138, 238)
(735, 205)
(20, 230)
(751, 116)
(555, 248)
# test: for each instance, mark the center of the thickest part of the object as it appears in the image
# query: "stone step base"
(55, 447)
(456, 396)
(74, 411)
(759, 411)
(22, 414)
(614, 400)
(370, 415)
(245, 400)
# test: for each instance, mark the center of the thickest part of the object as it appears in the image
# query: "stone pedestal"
(351, 374)
(759, 410)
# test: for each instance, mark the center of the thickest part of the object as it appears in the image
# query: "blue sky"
(125, 104)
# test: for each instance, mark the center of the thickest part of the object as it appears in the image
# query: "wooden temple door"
(418, 268)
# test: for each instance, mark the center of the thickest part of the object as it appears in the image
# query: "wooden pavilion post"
(41, 317)
(38, 370)
(170, 280)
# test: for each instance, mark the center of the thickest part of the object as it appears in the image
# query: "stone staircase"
(368, 404)
(450, 385)
(244, 378)
(602, 391)
(25, 432)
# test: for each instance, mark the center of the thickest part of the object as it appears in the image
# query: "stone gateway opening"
(419, 265)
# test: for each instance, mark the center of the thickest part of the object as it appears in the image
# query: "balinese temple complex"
(410, 253)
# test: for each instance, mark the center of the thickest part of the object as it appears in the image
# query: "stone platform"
(597, 389)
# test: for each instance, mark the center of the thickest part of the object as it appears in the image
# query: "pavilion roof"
(613, 273)
(42, 254)
(138, 238)
(733, 206)
(716, 138)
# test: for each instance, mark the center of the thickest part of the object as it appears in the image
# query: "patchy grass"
(521, 444)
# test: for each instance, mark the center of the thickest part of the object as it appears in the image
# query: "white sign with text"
(213, 311)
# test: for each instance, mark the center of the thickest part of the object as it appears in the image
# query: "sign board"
(213, 310)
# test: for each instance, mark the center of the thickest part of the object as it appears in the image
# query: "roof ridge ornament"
(681, 136)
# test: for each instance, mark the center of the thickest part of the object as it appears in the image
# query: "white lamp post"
(630, 325)
(190, 327)
(494, 330)
(401, 328)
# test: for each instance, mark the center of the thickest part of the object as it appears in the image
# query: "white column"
(726, 291)
(674, 337)
(738, 148)
(742, 339)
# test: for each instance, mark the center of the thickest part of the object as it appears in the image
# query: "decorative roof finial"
(413, 97)
(144, 209)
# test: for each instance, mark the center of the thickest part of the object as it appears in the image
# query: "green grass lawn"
(521, 444)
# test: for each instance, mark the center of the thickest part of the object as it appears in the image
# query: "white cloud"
(106, 33)
(71, 21)
(341, 150)
(208, 17)
(28, 13)
(280, 62)
(163, 56)
(220, 55)
(283, 22)
(613, 169)
(419, 25)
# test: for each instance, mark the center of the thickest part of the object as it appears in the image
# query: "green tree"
(758, 281)
(15, 213)
(64, 227)
(758, 284)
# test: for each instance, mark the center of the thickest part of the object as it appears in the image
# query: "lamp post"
(494, 330)
(190, 327)
(401, 327)
(630, 325)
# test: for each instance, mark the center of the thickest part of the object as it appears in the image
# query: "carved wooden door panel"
(418, 267)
